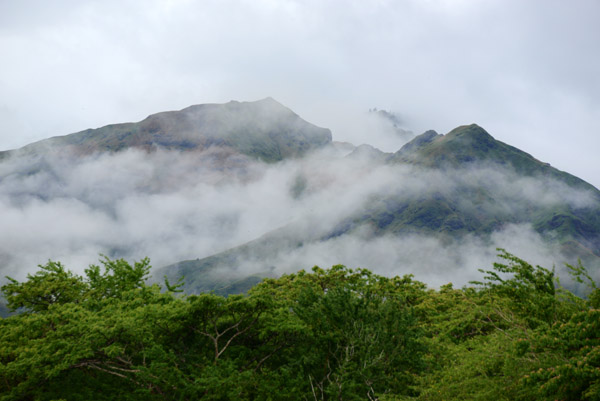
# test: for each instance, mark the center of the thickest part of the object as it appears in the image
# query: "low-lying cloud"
(429, 259)
(173, 206)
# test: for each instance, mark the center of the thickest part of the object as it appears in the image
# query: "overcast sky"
(527, 71)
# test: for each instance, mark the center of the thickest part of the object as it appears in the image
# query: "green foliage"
(52, 284)
(362, 338)
(517, 335)
(117, 277)
(326, 334)
(335, 334)
(481, 368)
(530, 290)
(580, 275)
(571, 352)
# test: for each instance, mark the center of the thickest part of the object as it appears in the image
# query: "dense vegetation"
(327, 334)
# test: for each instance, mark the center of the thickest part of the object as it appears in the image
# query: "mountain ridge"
(447, 187)
(278, 132)
(471, 143)
(576, 229)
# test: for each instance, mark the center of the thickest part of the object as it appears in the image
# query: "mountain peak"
(471, 144)
(263, 129)
(472, 135)
(269, 100)
(468, 129)
(267, 104)
(464, 144)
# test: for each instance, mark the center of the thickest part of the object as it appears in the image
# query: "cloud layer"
(173, 206)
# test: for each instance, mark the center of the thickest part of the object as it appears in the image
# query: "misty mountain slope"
(225, 194)
(478, 184)
(227, 272)
(472, 145)
(172, 186)
(395, 123)
(264, 130)
(462, 186)
(368, 152)
(384, 234)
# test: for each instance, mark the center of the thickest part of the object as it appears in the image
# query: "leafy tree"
(327, 334)
(96, 330)
(531, 290)
(117, 277)
(571, 359)
(52, 284)
(334, 334)
(359, 336)
(569, 351)
(484, 340)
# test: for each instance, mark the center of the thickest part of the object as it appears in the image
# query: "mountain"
(472, 144)
(225, 194)
(564, 210)
(264, 130)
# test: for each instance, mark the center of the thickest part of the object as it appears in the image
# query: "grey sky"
(527, 71)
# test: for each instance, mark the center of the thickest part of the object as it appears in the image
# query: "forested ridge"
(338, 333)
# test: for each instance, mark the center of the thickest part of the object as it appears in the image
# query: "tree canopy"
(324, 334)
